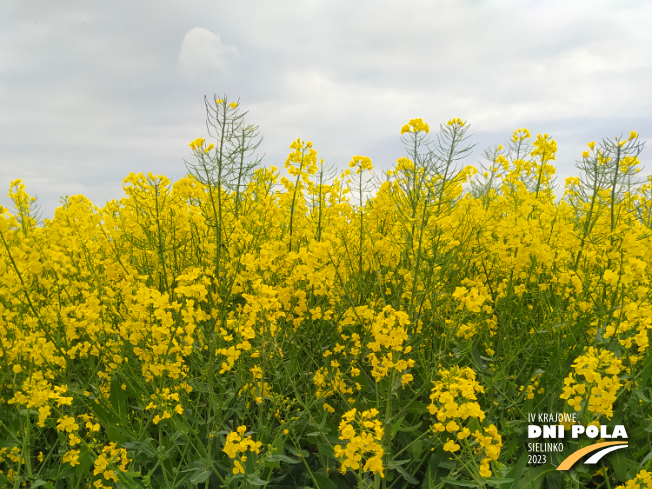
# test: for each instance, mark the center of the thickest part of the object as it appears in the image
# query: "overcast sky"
(92, 90)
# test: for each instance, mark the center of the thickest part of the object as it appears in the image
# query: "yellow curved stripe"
(575, 456)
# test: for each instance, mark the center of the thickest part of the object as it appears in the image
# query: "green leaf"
(455, 482)
(516, 472)
(85, 461)
(498, 482)
(66, 472)
(119, 434)
(416, 449)
(283, 458)
(644, 461)
(166, 454)
(324, 482)
(418, 407)
(254, 480)
(128, 482)
(325, 450)
(182, 425)
(534, 476)
(394, 463)
(553, 480)
(342, 483)
(141, 447)
(396, 426)
(182, 482)
(646, 373)
(404, 473)
(429, 480)
(641, 395)
(178, 438)
(118, 399)
(638, 433)
(38, 483)
(105, 416)
(200, 476)
(478, 359)
(435, 459)
(410, 429)
(623, 467)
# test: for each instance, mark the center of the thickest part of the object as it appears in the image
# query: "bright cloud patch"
(203, 51)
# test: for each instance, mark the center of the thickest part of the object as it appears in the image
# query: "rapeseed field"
(249, 326)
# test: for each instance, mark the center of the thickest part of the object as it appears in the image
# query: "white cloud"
(203, 51)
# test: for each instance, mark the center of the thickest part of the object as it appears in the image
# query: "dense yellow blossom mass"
(247, 324)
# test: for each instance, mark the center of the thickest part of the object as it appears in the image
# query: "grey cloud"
(92, 91)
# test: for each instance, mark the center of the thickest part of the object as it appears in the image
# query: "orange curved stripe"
(575, 456)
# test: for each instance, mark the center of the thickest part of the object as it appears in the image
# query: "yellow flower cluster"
(107, 462)
(71, 457)
(13, 455)
(642, 480)
(545, 147)
(521, 135)
(236, 442)
(91, 423)
(532, 386)
(384, 351)
(197, 143)
(164, 399)
(37, 392)
(628, 163)
(302, 162)
(403, 165)
(453, 400)
(471, 299)
(237, 445)
(414, 126)
(600, 369)
(632, 322)
(362, 442)
(361, 163)
(455, 121)
(389, 333)
(454, 397)
(257, 388)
